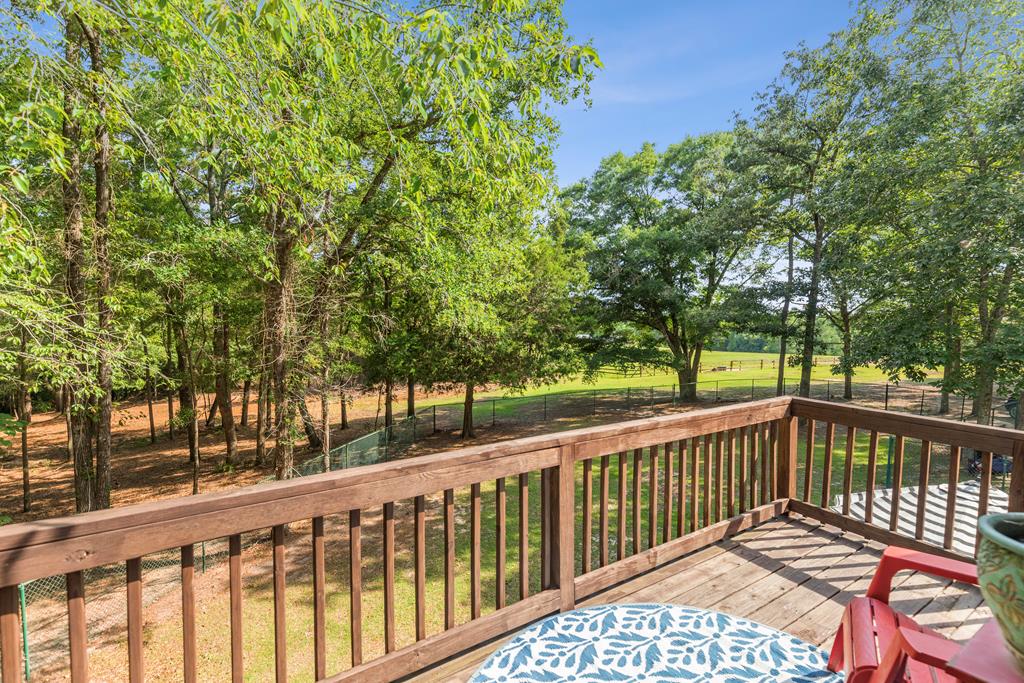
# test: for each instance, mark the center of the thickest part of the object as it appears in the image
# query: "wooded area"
(298, 199)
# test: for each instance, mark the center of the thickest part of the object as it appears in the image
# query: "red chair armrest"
(928, 648)
(896, 559)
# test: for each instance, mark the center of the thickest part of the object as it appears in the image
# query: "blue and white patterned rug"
(654, 643)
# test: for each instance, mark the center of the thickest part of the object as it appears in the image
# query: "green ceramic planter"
(1001, 574)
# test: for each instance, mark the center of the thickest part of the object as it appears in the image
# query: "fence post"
(963, 404)
(786, 481)
(673, 393)
(886, 396)
(434, 409)
(716, 389)
(595, 401)
(545, 407)
(829, 389)
(921, 411)
(752, 388)
(492, 411)
(652, 398)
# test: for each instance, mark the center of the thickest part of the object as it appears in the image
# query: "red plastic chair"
(871, 630)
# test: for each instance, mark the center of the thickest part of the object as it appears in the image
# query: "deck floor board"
(790, 573)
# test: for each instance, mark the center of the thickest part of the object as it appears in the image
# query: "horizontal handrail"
(963, 434)
(66, 544)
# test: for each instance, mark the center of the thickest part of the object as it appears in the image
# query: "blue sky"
(678, 68)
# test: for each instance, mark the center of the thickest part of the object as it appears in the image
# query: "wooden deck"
(791, 573)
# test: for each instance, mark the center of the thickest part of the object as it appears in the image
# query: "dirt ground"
(144, 471)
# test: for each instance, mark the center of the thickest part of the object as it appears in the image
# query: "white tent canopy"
(965, 520)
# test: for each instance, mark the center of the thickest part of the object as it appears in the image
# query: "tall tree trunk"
(169, 374)
(344, 409)
(315, 444)
(101, 229)
(150, 390)
(187, 401)
(279, 294)
(811, 310)
(389, 413)
(410, 398)
(222, 350)
(261, 446)
(467, 413)
(73, 199)
(68, 431)
(847, 350)
(243, 420)
(24, 415)
(325, 424)
(787, 300)
(951, 366)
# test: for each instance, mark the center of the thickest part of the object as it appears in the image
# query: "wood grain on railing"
(809, 460)
(133, 579)
(603, 511)
(681, 490)
(388, 521)
(851, 446)
(922, 488)
(652, 498)
(449, 553)
(77, 646)
(620, 505)
(869, 493)
(897, 484)
(694, 481)
(954, 482)
(588, 512)
(355, 588)
(319, 602)
(666, 523)
(524, 537)
(637, 465)
(826, 464)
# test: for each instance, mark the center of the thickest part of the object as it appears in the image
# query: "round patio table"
(654, 643)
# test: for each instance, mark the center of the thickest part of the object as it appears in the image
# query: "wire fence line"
(44, 619)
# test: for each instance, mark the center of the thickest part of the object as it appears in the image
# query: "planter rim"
(988, 526)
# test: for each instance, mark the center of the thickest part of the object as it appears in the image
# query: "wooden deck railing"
(681, 482)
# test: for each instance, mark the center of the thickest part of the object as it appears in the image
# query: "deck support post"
(558, 532)
(788, 432)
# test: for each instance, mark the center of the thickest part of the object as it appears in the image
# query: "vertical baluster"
(897, 479)
(754, 466)
(77, 643)
(10, 635)
(809, 460)
(717, 483)
(681, 490)
(922, 488)
(450, 551)
(826, 466)
(637, 466)
(694, 481)
(499, 543)
(280, 624)
(652, 500)
(355, 579)
(766, 476)
(773, 462)
(319, 601)
(954, 483)
(545, 540)
(524, 535)
(420, 561)
(474, 551)
(588, 507)
(620, 545)
(603, 511)
(741, 439)
(985, 487)
(235, 598)
(869, 493)
(133, 575)
(731, 473)
(188, 612)
(666, 522)
(707, 480)
(389, 576)
(851, 443)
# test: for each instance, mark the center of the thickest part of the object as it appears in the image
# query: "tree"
(669, 239)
